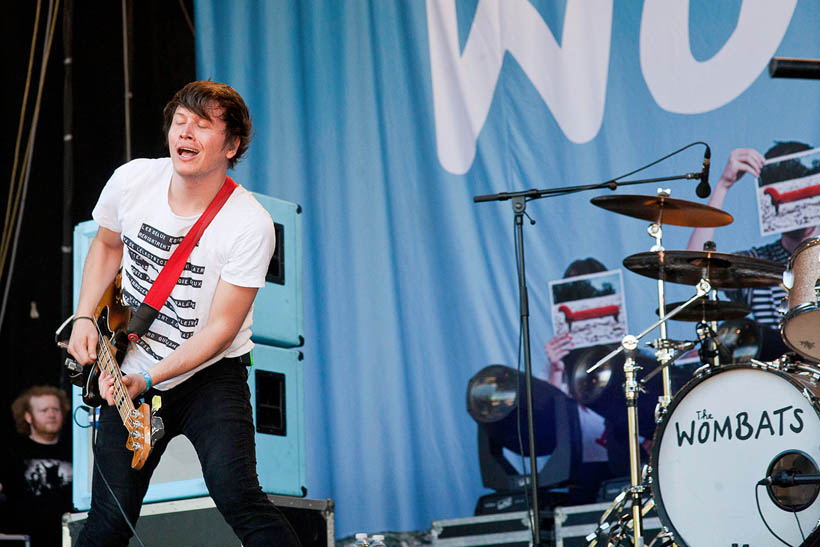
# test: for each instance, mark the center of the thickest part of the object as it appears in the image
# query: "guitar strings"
(121, 398)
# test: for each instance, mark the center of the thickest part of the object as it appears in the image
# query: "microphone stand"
(519, 206)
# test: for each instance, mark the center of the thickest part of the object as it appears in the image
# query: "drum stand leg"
(631, 387)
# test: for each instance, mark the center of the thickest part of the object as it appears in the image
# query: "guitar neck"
(109, 364)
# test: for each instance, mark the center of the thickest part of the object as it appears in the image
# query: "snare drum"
(801, 325)
(717, 439)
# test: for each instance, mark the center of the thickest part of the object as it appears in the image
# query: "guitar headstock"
(138, 426)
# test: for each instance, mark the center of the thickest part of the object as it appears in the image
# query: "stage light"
(495, 400)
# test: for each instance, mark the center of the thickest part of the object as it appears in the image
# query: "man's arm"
(741, 161)
(101, 267)
(229, 308)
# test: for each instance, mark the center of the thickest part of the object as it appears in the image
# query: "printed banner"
(788, 192)
(590, 308)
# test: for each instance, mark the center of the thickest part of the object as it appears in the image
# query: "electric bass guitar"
(111, 319)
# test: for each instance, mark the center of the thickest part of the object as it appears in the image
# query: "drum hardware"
(711, 348)
(681, 348)
(660, 209)
(615, 526)
(664, 355)
(628, 346)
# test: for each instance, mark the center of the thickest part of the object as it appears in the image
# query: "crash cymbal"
(664, 210)
(724, 271)
(704, 309)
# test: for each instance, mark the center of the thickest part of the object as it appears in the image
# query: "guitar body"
(112, 320)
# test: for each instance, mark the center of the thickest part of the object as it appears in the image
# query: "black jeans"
(212, 409)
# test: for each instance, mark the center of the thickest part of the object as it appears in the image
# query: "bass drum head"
(716, 440)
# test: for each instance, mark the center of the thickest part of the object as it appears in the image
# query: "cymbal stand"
(712, 343)
(709, 352)
(632, 387)
(663, 355)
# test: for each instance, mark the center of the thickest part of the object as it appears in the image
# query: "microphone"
(703, 190)
(789, 478)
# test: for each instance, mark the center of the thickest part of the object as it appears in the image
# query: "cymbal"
(704, 309)
(664, 210)
(724, 271)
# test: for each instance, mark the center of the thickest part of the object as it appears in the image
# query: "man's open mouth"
(184, 152)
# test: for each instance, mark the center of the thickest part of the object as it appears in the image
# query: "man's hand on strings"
(134, 383)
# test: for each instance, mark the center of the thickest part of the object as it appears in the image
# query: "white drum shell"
(704, 481)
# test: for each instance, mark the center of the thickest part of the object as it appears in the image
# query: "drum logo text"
(706, 428)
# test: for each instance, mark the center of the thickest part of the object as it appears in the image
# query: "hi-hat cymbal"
(664, 210)
(723, 271)
(704, 309)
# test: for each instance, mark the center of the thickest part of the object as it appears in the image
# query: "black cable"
(187, 18)
(108, 486)
(763, 519)
(799, 527)
(74, 416)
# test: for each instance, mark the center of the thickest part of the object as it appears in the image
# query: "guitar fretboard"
(121, 399)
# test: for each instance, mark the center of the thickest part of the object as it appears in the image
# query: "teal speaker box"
(276, 382)
(278, 318)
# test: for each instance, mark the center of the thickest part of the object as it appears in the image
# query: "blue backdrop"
(384, 118)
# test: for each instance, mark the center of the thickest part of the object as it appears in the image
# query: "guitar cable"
(105, 481)
(766, 524)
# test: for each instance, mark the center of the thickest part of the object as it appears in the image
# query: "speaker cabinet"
(278, 318)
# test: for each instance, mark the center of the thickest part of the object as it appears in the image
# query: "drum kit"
(738, 420)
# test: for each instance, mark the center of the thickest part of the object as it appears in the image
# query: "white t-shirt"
(236, 246)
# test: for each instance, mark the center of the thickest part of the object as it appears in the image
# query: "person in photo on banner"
(604, 448)
(35, 467)
(765, 302)
(195, 352)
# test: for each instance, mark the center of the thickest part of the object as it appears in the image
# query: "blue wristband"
(148, 382)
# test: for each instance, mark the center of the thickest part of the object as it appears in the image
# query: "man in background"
(35, 470)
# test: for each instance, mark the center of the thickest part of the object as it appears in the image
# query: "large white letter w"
(570, 78)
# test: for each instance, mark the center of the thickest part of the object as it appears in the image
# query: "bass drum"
(717, 439)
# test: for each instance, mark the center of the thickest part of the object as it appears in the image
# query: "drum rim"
(811, 242)
(792, 313)
(660, 428)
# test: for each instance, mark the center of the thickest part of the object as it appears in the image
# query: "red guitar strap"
(166, 280)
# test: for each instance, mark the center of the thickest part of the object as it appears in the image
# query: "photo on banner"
(788, 192)
(590, 308)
